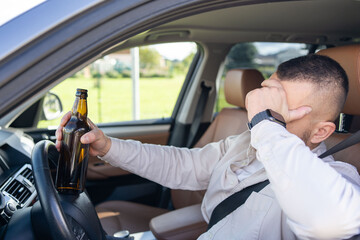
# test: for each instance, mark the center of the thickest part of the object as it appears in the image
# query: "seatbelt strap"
(234, 201)
(352, 140)
(237, 199)
(198, 114)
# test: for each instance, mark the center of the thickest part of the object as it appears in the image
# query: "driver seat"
(349, 58)
(123, 215)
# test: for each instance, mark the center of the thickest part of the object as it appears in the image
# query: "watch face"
(276, 116)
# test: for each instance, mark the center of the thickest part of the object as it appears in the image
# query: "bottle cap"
(80, 91)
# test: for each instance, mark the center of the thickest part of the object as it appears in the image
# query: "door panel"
(152, 134)
(149, 133)
(100, 170)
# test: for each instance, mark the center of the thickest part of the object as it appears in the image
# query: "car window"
(111, 96)
(262, 56)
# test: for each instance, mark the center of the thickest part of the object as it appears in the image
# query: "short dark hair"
(319, 70)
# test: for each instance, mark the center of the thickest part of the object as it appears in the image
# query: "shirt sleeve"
(320, 201)
(176, 168)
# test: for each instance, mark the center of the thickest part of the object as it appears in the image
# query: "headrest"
(238, 82)
(349, 58)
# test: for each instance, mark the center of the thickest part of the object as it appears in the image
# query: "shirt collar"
(320, 150)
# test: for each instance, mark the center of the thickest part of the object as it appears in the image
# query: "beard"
(306, 136)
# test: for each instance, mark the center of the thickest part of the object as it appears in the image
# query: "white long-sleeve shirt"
(308, 198)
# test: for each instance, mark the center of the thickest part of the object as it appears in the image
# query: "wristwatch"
(269, 115)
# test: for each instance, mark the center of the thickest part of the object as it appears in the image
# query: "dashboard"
(17, 185)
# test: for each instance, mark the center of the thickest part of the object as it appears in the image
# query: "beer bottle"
(73, 158)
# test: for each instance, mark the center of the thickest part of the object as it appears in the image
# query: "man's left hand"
(273, 96)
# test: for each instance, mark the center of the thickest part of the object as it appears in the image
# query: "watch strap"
(268, 114)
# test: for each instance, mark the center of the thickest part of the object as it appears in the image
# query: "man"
(308, 197)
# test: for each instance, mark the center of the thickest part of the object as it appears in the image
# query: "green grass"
(112, 102)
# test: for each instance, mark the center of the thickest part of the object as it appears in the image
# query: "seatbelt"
(198, 114)
(237, 199)
(234, 201)
(352, 140)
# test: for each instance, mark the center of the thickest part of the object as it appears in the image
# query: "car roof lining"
(288, 21)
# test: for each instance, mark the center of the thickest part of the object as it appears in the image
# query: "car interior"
(124, 201)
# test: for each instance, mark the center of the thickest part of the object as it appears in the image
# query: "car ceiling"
(332, 22)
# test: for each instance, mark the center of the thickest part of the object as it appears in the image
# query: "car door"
(124, 104)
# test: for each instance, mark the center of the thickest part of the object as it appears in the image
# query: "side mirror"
(51, 107)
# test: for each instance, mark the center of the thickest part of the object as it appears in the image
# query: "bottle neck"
(80, 108)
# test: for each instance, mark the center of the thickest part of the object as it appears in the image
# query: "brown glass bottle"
(73, 159)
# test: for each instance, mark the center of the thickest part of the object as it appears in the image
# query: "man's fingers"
(90, 137)
(58, 133)
(58, 145)
(92, 125)
(298, 113)
(271, 83)
(273, 96)
(65, 119)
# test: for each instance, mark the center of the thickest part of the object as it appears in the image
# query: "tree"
(188, 59)
(241, 56)
(149, 57)
(181, 67)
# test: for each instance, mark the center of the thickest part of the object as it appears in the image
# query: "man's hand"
(273, 96)
(99, 142)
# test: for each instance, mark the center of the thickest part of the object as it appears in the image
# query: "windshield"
(13, 8)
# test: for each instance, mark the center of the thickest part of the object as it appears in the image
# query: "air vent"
(27, 173)
(17, 190)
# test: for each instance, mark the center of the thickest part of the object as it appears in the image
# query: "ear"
(322, 131)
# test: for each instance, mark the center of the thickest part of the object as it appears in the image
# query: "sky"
(265, 48)
(11, 8)
(179, 51)
(175, 51)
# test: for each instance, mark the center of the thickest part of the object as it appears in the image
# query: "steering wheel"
(68, 216)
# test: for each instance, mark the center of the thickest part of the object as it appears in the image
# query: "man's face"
(300, 93)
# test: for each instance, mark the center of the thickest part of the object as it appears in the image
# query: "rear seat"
(349, 58)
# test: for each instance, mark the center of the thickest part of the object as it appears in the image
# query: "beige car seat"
(349, 58)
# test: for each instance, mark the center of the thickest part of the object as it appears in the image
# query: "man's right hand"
(99, 142)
